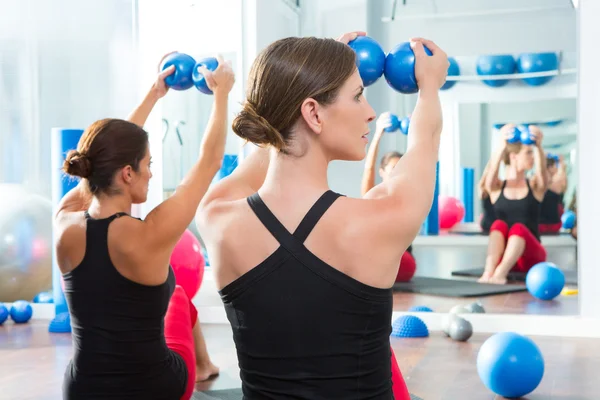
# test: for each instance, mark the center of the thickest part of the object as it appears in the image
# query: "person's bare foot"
(206, 371)
(497, 280)
(485, 278)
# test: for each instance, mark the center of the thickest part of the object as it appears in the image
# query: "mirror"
(458, 249)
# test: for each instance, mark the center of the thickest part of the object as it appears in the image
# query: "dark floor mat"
(454, 288)
(236, 394)
(570, 276)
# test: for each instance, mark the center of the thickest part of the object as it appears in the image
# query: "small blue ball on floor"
(545, 281)
(21, 311)
(409, 326)
(510, 365)
(3, 313)
(568, 219)
(44, 297)
(420, 309)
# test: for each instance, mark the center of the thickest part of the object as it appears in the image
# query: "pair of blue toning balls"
(187, 71)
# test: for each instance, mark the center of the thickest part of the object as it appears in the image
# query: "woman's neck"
(290, 177)
(514, 174)
(104, 206)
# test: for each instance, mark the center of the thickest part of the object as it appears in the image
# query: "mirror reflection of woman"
(514, 239)
(553, 205)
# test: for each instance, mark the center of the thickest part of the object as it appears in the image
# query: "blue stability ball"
(405, 125)
(399, 68)
(211, 64)
(496, 65)
(524, 135)
(3, 313)
(21, 311)
(510, 365)
(453, 70)
(409, 326)
(537, 62)
(370, 59)
(395, 123)
(181, 78)
(545, 281)
(568, 219)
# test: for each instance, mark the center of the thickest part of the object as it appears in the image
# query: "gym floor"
(511, 303)
(435, 368)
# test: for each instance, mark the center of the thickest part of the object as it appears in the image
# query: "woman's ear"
(310, 113)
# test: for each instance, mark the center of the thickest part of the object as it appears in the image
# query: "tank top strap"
(313, 216)
(270, 221)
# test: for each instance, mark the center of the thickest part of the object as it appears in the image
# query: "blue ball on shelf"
(420, 309)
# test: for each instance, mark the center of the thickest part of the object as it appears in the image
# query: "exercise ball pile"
(187, 262)
(451, 211)
(526, 63)
(187, 71)
(25, 243)
(510, 365)
(545, 281)
(397, 66)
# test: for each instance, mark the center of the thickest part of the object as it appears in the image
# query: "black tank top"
(525, 211)
(489, 215)
(118, 331)
(549, 209)
(305, 330)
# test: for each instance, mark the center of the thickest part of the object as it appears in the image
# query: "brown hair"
(513, 148)
(105, 147)
(550, 162)
(389, 156)
(285, 74)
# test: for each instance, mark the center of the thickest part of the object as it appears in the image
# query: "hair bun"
(77, 164)
(251, 126)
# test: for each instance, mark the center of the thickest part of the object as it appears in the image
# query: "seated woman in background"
(488, 215)
(553, 206)
(514, 237)
(408, 265)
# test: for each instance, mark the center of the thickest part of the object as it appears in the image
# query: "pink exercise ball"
(451, 211)
(187, 262)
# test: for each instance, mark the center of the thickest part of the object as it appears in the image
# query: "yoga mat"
(570, 276)
(454, 288)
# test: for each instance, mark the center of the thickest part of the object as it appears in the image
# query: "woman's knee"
(518, 229)
(499, 226)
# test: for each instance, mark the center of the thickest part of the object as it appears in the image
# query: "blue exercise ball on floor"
(210, 63)
(409, 326)
(399, 70)
(370, 59)
(4, 313)
(510, 365)
(395, 124)
(537, 62)
(21, 311)
(453, 70)
(503, 64)
(44, 297)
(545, 281)
(181, 78)
(568, 219)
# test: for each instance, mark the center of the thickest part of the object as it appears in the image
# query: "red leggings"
(534, 251)
(180, 319)
(407, 269)
(398, 384)
(553, 228)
